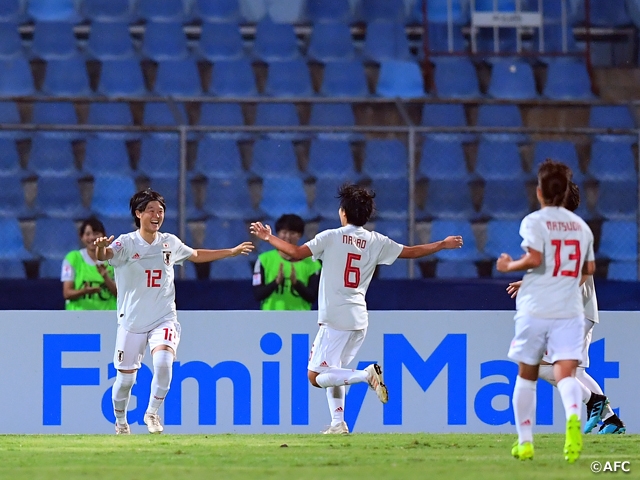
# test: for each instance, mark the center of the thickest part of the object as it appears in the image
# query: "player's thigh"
(327, 348)
(129, 349)
(530, 340)
(351, 348)
(566, 339)
(167, 333)
(588, 333)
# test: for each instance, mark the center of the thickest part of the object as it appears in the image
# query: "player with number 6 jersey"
(143, 262)
(350, 255)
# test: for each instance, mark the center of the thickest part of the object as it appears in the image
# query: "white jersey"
(349, 257)
(552, 290)
(589, 300)
(144, 278)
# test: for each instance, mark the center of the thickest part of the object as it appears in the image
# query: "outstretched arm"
(202, 255)
(423, 250)
(263, 232)
(103, 252)
(531, 259)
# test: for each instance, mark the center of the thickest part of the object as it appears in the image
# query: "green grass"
(367, 456)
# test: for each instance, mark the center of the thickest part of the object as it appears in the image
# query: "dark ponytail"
(553, 180)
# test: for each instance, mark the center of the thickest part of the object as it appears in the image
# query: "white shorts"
(130, 347)
(588, 332)
(334, 348)
(562, 339)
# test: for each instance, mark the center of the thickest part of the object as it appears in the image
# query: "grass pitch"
(366, 456)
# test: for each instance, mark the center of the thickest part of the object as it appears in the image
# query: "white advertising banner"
(245, 372)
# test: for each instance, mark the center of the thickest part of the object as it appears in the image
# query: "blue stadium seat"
(51, 156)
(331, 158)
(507, 42)
(392, 198)
(554, 39)
(623, 271)
(609, 13)
(443, 160)
(438, 11)
(110, 40)
(275, 41)
(385, 159)
(10, 41)
(164, 41)
(505, 199)
(512, 80)
(66, 77)
(611, 161)
(11, 11)
(233, 78)
(9, 112)
(611, 116)
(229, 198)
(106, 154)
(619, 241)
(447, 199)
(441, 229)
(50, 268)
(562, 151)
(502, 5)
(59, 197)
(117, 226)
(12, 269)
(237, 268)
(273, 157)
(289, 79)
(108, 10)
(111, 195)
(46, 10)
(279, 114)
(178, 78)
(220, 41)
(325, 202)
(398, 270)
(284, 194)
(383, 10)
(332, 114)
(160, 113)
(220, 11)
(400, 79)
(121, 78)
(446, 115)
(160, 155)
(397, 230)
(12, 200)
(219, 158)
(169, 188)
(456, 78)
(11, 240)
(492, 115)
(53, 40)
(499, 161)
(439, 38)
(109, 113)
(386, 41)
(63, 230)
(161, 10)
(456, 269)
(52, 113)
(221, 114)
(331, 41)
(567, 80)
(328, 11)
(344, 79)
(618, 199)
(15, 77)
(9, 160)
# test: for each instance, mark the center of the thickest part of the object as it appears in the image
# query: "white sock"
(336, 377)
(588, 381)
(335, 397)
(545, 372)
(121, 393)
(524, 408)
(571, 392)
(162, 369)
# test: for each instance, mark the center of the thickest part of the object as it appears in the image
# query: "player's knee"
(312, 378)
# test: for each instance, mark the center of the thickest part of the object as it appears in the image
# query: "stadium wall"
(245, 372)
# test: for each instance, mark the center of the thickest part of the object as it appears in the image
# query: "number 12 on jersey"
(153, 278)
(352, 272)
(575, 256)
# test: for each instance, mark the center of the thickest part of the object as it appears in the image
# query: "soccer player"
(350, 255)
(143, 262)
(592, 395)
(549, 310)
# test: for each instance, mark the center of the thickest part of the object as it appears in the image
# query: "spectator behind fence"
(87, 283)
(280, 283)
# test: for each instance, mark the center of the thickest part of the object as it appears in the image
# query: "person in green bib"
(281, 283)
(87, 283)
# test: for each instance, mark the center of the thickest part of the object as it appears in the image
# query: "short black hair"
(140, 200)
(572, 200)
(291, 222)
(95, 224)
(553, 180)
(357, 203)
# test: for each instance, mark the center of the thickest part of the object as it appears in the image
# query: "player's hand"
(263, 232)
(245, 248)
(91, 290)
(502, 264)
(280, 276)
(103, 242)
(293, 277)
(513, 288)
(454, 241)
(102, 270)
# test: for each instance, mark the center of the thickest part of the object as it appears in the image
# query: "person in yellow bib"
(87, 283)
(281, 283)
